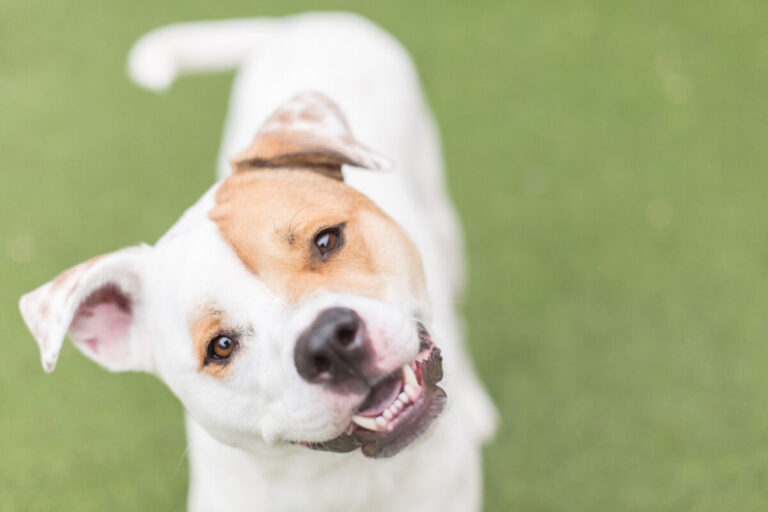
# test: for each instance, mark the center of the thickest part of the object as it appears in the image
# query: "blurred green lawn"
(610, 163)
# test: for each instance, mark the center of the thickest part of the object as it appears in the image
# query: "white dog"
(296, 311)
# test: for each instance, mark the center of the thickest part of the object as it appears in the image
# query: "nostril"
(345, 335)
(321, 364)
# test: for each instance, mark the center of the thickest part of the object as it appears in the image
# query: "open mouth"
(398, 409)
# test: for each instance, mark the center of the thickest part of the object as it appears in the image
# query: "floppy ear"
(97, 303)
(308, 131)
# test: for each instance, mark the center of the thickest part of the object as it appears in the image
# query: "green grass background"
(610, 163)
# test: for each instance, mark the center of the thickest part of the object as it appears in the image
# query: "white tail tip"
(150, 66)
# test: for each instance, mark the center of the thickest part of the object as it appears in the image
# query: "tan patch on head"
(205, 325)
(271, 217)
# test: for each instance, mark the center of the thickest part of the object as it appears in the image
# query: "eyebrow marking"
(205, 324)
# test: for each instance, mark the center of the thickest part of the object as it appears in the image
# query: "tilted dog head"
(284, 306)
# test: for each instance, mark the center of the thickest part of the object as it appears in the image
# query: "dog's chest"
(293, 479)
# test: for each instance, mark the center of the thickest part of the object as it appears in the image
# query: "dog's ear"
(308, 131)
(98, 303)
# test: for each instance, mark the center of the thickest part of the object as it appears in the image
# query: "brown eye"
(328, 240)
(221, 347)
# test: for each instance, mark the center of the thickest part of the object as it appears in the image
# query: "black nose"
(333, 349)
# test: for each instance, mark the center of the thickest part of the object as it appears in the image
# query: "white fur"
(240, 428)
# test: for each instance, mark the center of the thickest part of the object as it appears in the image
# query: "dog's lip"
(412, 420)
(381, 436)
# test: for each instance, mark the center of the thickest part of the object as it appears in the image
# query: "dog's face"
(283, 307)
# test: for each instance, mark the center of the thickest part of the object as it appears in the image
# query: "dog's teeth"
(411, 391)
(388, 414)
(393, 410)
(403, 398)
(381, 422)
(399, 405)
(409, 376)
(364, 422)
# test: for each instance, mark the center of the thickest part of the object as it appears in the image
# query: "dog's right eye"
(221, 347)
(328, 240)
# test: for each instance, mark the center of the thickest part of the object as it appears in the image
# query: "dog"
(301, 310)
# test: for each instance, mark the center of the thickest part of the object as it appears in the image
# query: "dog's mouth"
(398, 409)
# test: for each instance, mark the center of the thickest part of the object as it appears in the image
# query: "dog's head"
(284, 306)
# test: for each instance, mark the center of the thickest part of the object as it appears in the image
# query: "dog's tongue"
(381, 396)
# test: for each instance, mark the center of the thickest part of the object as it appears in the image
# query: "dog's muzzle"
(398, 407)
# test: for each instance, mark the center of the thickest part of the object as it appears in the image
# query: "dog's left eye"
(221, 347)
(328, 240)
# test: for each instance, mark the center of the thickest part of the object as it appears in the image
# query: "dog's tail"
(162, 55)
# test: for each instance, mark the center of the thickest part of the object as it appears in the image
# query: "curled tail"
(163, 54)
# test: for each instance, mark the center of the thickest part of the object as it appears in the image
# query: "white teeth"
(411, 391)
(409, 376)
(364, 422)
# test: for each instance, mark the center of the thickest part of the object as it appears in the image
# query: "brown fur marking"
(204, 326)
(270, 218)
(308, 130)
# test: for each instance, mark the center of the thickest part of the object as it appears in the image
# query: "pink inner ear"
(102, 322)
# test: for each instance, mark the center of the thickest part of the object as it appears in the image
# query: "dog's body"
(248, 442)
